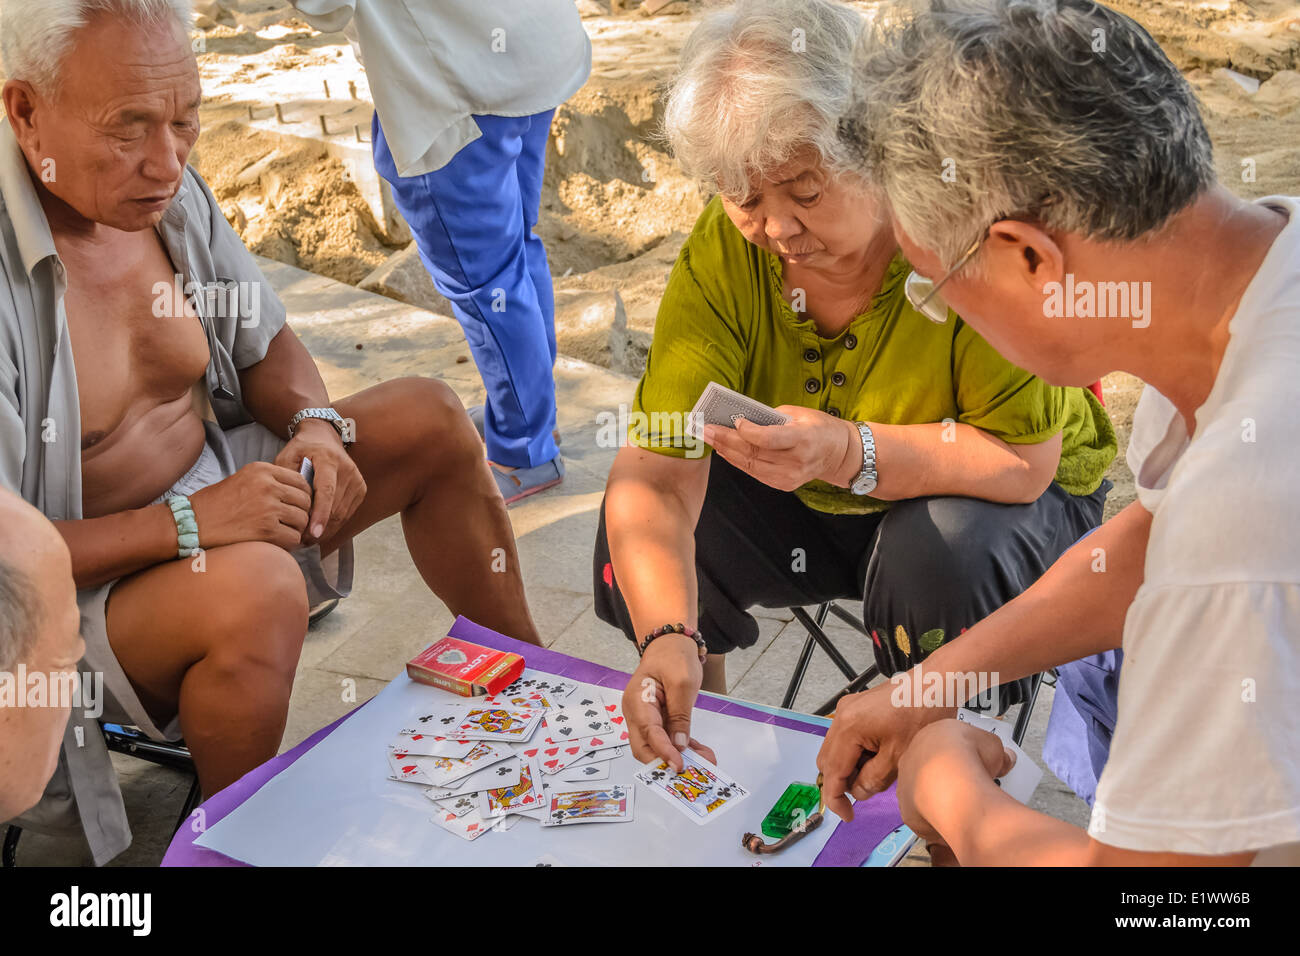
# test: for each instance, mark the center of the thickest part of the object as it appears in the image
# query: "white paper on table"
(1023, 779)
(334, 806)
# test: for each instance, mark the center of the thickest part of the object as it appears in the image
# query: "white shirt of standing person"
(433, 65)
(1206, 753)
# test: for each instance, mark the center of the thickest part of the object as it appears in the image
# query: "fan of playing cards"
(542, 748)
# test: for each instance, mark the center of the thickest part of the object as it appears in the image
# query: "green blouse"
(723, 319)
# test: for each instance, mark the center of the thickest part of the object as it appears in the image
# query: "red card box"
(464, 668)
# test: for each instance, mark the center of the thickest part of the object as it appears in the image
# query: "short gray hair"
(35, 34)
(1063, 111)
(759, 81)
(21, 616)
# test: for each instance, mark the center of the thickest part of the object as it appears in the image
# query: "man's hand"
(946, 772)
(338, 486)
(659, 700)
(811, 445)
(259, 502)
(868, 721)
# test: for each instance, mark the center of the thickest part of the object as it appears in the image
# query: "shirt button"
(812, 386)
(833, 412)
(837, 378)
(811, 355)
(850, 341)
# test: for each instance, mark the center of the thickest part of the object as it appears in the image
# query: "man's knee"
(429, 417)
(259, 613)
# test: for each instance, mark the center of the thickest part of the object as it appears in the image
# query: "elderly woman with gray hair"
(920, 471)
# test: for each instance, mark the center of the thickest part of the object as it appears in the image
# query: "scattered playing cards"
(538, 749)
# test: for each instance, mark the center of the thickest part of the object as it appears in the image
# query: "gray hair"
(35, 35)
(759, 81)
(1064, 112)
(21, 614)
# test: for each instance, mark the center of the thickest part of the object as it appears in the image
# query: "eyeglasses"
(924, 294)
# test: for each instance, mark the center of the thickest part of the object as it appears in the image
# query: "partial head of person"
(752, 114)
(1027, 147)
(39, 635)
(103, 97)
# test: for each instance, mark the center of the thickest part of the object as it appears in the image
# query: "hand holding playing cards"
(811, 445)
(659, 700)
(867, 722)
(948, 766)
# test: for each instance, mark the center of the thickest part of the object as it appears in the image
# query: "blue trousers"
(473, 223)
(1084, 713)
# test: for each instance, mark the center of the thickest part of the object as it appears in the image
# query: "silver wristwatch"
(324, 414)
(865, 483)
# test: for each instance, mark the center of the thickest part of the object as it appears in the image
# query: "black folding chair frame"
(814, 625)
(124, 741)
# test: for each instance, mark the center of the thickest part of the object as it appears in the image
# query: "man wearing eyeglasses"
(1083, 165)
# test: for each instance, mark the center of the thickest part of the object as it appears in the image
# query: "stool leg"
(192, 800)
(817, 634)
(858, 683)
(1026, 710)
(8, 856)
(796, 679)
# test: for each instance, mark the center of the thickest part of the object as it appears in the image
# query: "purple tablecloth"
(849, 845)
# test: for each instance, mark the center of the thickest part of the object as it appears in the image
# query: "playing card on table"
(565, 806)
(442, 771)
(498, 723)
(589, 771)
(553, 688)
(470, 826)
(460, 805)
(422, 745)
(719, 405)
(532, 700)
(525, 795)
(565, 723)
(701, 790)
(407, 769)
(556, 755)
(504, 773)
(435, 721)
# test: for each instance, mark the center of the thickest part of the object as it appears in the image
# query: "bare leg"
(421, 457)
(218, 647)
(715, 674)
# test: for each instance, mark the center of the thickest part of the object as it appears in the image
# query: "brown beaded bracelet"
(690, 632)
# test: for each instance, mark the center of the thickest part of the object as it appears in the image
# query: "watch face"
(864, 486)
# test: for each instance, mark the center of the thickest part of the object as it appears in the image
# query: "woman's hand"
(659, 700)
(811, 445)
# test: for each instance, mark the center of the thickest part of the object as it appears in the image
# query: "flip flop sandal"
(522, 482)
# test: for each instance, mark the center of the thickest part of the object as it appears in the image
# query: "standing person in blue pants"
(464, 94)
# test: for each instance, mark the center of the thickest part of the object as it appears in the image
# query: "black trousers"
(925, 570)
